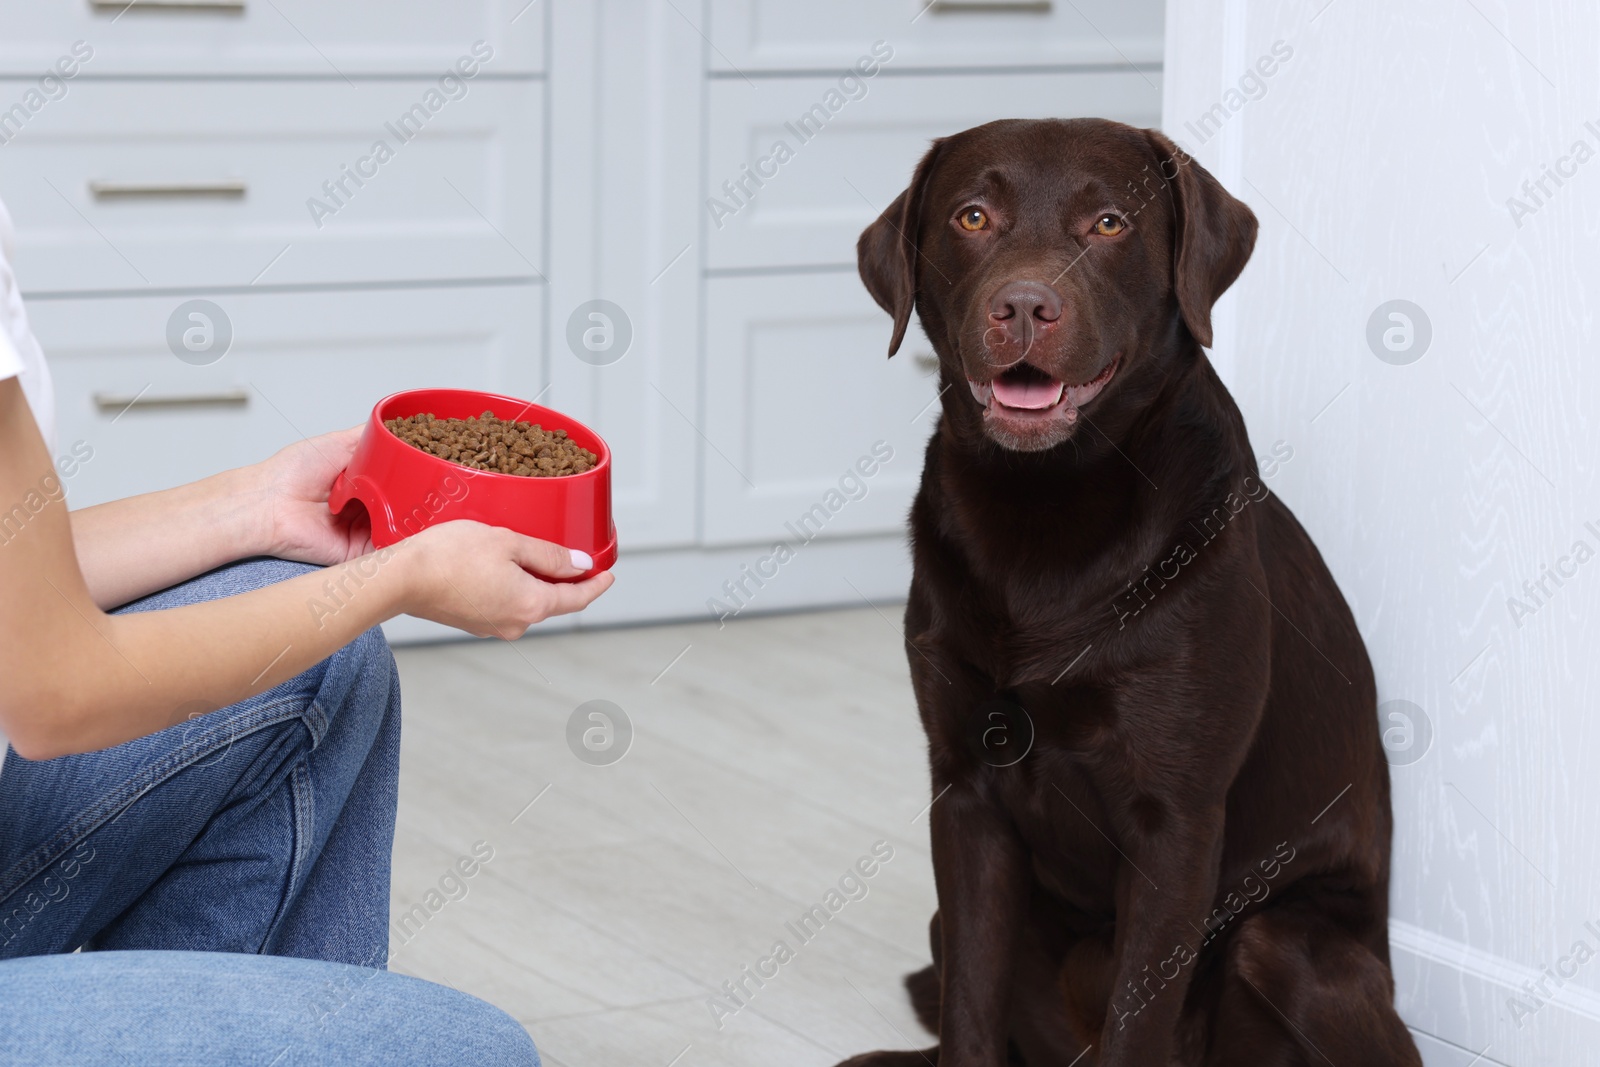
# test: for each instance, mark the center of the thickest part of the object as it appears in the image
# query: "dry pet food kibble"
(487, 443)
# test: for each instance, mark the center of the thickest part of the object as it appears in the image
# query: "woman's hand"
(463, 574)
(291, 493)
(476, 578)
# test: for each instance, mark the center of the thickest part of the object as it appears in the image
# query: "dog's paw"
(925, 1058)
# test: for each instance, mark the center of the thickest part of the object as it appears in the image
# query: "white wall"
(1380, 157)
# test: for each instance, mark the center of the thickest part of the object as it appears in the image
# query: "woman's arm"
(73, 678)
(129, 548)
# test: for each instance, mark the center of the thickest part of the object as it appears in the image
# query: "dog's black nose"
(1022, 301)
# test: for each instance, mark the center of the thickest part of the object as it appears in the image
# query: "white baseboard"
(1436, 1052)
(675, 584)
(1459, 995)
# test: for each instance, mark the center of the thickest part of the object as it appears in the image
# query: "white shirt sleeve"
(20, 355)
(10, 362)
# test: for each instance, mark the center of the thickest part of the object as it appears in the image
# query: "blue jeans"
(262, 828)
(210, 1009)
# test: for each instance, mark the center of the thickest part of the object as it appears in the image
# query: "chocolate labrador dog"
(1161, 807)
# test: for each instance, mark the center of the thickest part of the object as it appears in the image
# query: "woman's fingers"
(550, 560)
(347, 436)
(576, 596)
(459, 576)
(337, 447)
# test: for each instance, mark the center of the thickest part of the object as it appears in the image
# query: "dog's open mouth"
(1025, 389)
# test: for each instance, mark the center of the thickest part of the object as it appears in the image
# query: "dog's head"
(1048, 260)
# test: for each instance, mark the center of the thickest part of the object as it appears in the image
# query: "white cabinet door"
(843, 171)
(798, 393)
(180, 184)
(625, 132)
(753, 35)
(302, 37)
(299, 364)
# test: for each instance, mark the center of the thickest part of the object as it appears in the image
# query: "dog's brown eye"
(974, 218)
(1109, 225)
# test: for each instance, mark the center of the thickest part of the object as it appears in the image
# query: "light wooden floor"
(767, 759)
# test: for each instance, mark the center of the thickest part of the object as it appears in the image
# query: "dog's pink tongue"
(1029, 393)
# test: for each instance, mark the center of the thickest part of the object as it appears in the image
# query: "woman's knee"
(369, 654)
(360, 682)
(241, 1007)
(495, 1038)
(361, 1008)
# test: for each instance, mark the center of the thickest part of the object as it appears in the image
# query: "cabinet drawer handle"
(192, 5)
(222, 398)
(991, 7)
(231, 187)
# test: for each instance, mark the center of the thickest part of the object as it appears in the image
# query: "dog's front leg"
(981, 872)
(1164, 904)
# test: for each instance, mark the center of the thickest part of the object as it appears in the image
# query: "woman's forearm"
(133, 547)
(78, 679)
(134, 674)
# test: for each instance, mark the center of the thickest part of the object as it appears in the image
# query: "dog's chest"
(1023, 611)
(1047, 756)
(1073, 841)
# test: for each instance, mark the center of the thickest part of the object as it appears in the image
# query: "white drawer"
(303, 37)
(797, 392)
(304, 363)
(754, 35)
(463, 198)
(815, 205)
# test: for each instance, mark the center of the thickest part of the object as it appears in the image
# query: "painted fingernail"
(581, 559)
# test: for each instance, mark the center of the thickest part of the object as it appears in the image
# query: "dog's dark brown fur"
(1190, 864)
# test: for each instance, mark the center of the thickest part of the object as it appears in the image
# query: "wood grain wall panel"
(1380, 158)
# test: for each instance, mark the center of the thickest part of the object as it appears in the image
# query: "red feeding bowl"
(406, 490)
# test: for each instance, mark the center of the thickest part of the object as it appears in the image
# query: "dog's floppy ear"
(1213, 232)
(886, 254)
